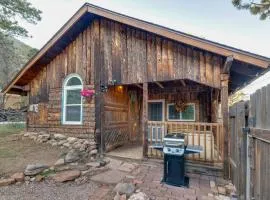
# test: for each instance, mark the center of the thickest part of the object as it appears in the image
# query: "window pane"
(74, 81)
(188, 113)
(173, 114)
(73, 113)
(73, 96)
(155, 111)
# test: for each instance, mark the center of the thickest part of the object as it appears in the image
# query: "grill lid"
(175, 137)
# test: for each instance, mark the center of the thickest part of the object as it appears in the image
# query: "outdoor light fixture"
(103, 88)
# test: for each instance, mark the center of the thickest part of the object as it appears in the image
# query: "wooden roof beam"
(25, 88)
(159, 84)
(227, 65)
(139, 86)
(183, 82)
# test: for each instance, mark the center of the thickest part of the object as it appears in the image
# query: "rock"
(44, 136)
(221, 190)
(139, 196)
(124, 188)
(32, 179)
(19, 176)
(39, 178)
(93, 152)
(123, 197)
(81, 180)
(93, 164)
(126, 167)
(210, 195)
(8, 181)
(117, 196)
(72, 156)
(67, 175)
(27, 178)
(137, 182)
(66, 145)
(54, 144)
(86, 142)
(86, 172)
(77, 146)
(35, 169)
(59, 162)
(71, 140)
(59, 136)
(212, 184)
(61, 142)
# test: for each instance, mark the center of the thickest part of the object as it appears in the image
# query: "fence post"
(246, 132)
(225, 118)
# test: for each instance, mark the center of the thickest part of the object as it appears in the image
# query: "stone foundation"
(63, 141)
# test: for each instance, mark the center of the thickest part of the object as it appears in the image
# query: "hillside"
(13, 55)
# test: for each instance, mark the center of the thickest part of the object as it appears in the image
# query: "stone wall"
(81, 145)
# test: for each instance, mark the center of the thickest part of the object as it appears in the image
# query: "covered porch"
(152, 110)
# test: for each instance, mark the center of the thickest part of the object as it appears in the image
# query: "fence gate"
(238, 147)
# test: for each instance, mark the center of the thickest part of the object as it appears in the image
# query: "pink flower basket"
(87, 93)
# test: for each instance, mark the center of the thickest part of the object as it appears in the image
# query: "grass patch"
(7, 153)
(9, 129)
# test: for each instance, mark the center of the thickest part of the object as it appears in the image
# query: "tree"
(11, 11)
(261, 8)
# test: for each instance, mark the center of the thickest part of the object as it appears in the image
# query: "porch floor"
(131, 151)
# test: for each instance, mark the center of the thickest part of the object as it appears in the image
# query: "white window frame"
(163, 119)
(65, 89)
(181, 120)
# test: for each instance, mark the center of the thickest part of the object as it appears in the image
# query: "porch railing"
(208, 135)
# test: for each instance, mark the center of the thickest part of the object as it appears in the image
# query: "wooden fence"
(249, 142)
(207, 135)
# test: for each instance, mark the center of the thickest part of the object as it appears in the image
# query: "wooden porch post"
(145, 119)
(225, 118)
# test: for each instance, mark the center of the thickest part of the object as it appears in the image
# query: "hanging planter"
(88, 93)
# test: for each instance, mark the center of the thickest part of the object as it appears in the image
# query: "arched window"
(72, 100)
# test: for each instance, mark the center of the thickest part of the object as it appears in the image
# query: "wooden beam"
(145, 119)
(183, 82)
(159, 84)
(25, 88)
(139, 86)
(225, 118)
(227, 65)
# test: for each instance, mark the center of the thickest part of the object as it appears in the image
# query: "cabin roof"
(250, 63)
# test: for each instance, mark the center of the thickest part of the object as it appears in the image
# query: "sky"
(216, 20)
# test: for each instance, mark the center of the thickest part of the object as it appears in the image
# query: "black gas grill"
(175, 149)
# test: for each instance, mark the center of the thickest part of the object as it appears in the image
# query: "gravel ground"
(47, 190)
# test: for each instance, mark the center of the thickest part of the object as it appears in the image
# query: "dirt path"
(48, 190)
(16, 152)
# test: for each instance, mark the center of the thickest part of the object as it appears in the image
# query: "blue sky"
(216, 20)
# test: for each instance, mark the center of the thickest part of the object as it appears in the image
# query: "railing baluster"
(205, 148)
(211, 141)
(218, 146)
(151, 138)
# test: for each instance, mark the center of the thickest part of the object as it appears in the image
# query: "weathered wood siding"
(134, 56)
(46, 88)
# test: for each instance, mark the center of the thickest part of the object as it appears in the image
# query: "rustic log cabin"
(149, 81)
